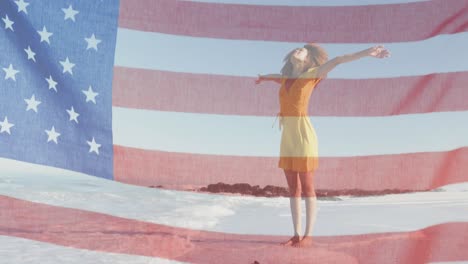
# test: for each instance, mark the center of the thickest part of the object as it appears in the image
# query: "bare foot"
(306, 241)
(291, 241)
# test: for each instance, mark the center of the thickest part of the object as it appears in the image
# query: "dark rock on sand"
(276, 191)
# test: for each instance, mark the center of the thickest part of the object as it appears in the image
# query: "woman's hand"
(378, 52)
(259, 79)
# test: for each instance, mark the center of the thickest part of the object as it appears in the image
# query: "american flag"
(161, 92)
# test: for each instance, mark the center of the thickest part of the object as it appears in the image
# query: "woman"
(304, 68)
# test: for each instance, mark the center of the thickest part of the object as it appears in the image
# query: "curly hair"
(317, 56)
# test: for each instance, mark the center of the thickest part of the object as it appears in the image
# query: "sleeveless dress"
(299, 145)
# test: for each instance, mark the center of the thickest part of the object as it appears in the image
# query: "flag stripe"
(383, 23)
(156, 51)
(254, 136)
(230, 95)
(84, 230)
(415, 171)
(14, 248)
(309, 3)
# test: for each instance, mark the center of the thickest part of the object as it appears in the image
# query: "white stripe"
(254, 136)
(309, 2)
(229, 214)
(148, 50)
(25, 251)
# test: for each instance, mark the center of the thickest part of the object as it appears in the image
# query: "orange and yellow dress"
(299, 145)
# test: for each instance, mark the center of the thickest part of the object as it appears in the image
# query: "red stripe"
(215, 94)
(100, 232)
(372, 23)
(416, 171)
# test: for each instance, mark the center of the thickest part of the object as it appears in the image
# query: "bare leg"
(307, 182)
(295, 204)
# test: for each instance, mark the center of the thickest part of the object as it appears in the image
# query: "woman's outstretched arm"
(377, 52)
(269, 77)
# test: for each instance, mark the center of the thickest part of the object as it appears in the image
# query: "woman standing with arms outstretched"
(304, 68)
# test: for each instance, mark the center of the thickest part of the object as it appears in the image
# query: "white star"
(67, 66)
(5, 126)
(73, 115)
(52, 135)
(45, 35)
(8, 23)
(22, 6)
(31, 54)
(52, 83)
(92, 42)
(93, 146)
(10, 73)
(70, 13)
(90, 95)
(32, 103)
